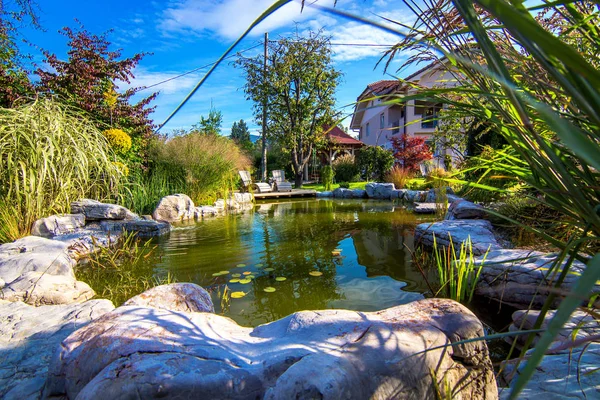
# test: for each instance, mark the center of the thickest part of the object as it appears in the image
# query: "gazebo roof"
(338, 136)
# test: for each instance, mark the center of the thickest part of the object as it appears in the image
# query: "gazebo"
(338, 143)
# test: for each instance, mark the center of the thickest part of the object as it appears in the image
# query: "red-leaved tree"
(410, 151)
(90, 77)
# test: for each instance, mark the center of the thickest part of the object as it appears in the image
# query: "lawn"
(319, 187)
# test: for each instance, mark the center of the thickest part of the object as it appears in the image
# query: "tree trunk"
(299, 178)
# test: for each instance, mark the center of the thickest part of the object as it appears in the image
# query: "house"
(377, 122)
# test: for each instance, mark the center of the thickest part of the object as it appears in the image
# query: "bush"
(51, 155)
(327, 177)
(398, 176)
(344, 185)
(374, 162)
(119, 140)
(206, 165)
(346, 169)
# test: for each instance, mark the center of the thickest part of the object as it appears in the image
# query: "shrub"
(207, 165)
(374, 162)
(346, 169)
(51, 155)
(327, 177)
(119, 140)
(344, 185)
(398, 176)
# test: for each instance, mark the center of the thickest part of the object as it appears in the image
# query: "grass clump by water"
(51, 155)
(122, 269)
(458, 273)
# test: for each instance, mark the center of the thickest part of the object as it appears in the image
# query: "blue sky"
(186, 34)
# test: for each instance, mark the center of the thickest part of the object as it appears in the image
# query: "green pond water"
(361, 248)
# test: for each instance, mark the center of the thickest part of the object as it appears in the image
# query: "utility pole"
(264, 111)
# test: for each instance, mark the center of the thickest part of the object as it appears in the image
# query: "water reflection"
(289, 239)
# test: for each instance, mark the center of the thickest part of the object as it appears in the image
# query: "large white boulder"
(57, 225)
(380, 190)
(174, 208)
(29, 337)
(480, 232)
(149, 352)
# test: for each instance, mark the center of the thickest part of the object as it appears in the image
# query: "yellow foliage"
(118, 139)
(110, 98)
(122, 167)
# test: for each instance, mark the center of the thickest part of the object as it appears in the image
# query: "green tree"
(210, 125)
(241, 135)
(374, 162)
(299, 86)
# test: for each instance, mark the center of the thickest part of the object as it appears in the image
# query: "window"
(429, 113)
(368, 130)
(360, 133)
(381, 121)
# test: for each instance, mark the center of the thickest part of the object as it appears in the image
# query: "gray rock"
(208, 211)
(359, 194)
(463, 209)
(341, 193)
(243, 198)
(174, 208)
(57, 225)
(34, 254)
(520, 277)
(38, 288)
(379, 190)
(232, 205)
(95, 210)
(568, 374)
(480, 232)
(219, 205)
(148, 353)
(581, 325)
(187, 297)
(452, 198)
(29, 336)
(398, 193)
(147, 218)
(412, 195)
(427, 208)
(89, 239)
(325, 194)
(147, 229)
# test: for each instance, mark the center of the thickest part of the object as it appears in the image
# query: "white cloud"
(228, 19)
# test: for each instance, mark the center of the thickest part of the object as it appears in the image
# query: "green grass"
(319, 187)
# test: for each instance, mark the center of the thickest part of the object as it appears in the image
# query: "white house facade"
(377, 121)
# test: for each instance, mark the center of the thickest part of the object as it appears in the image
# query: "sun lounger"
(261, 187)
(281, 185)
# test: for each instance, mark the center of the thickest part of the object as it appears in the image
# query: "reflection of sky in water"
(358, 292)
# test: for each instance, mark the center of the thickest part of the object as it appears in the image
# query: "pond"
(297, 255)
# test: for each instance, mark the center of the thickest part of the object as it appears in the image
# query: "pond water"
(361, 248)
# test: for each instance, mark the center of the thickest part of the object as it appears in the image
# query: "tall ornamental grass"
(50, 155)
(206, 165)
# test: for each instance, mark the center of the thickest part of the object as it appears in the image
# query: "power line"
(248, 49)
(194, 70)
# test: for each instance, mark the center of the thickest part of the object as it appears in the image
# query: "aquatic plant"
(457, 272)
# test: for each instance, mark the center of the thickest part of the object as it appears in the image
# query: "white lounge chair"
(261, 187)
(281, 185)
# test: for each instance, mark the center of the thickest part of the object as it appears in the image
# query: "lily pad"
(237, 295)
(235, 280)
(269, 269)
(224, 272)
(241, 265)
(269, 289)
(217, 274)
(245, 281)
(250, 277)
(280, 278)
(236, 275)
(315, 273)
(259, 265)
(246, 272)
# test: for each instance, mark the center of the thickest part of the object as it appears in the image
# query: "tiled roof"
(383, 87)
(337, 135)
